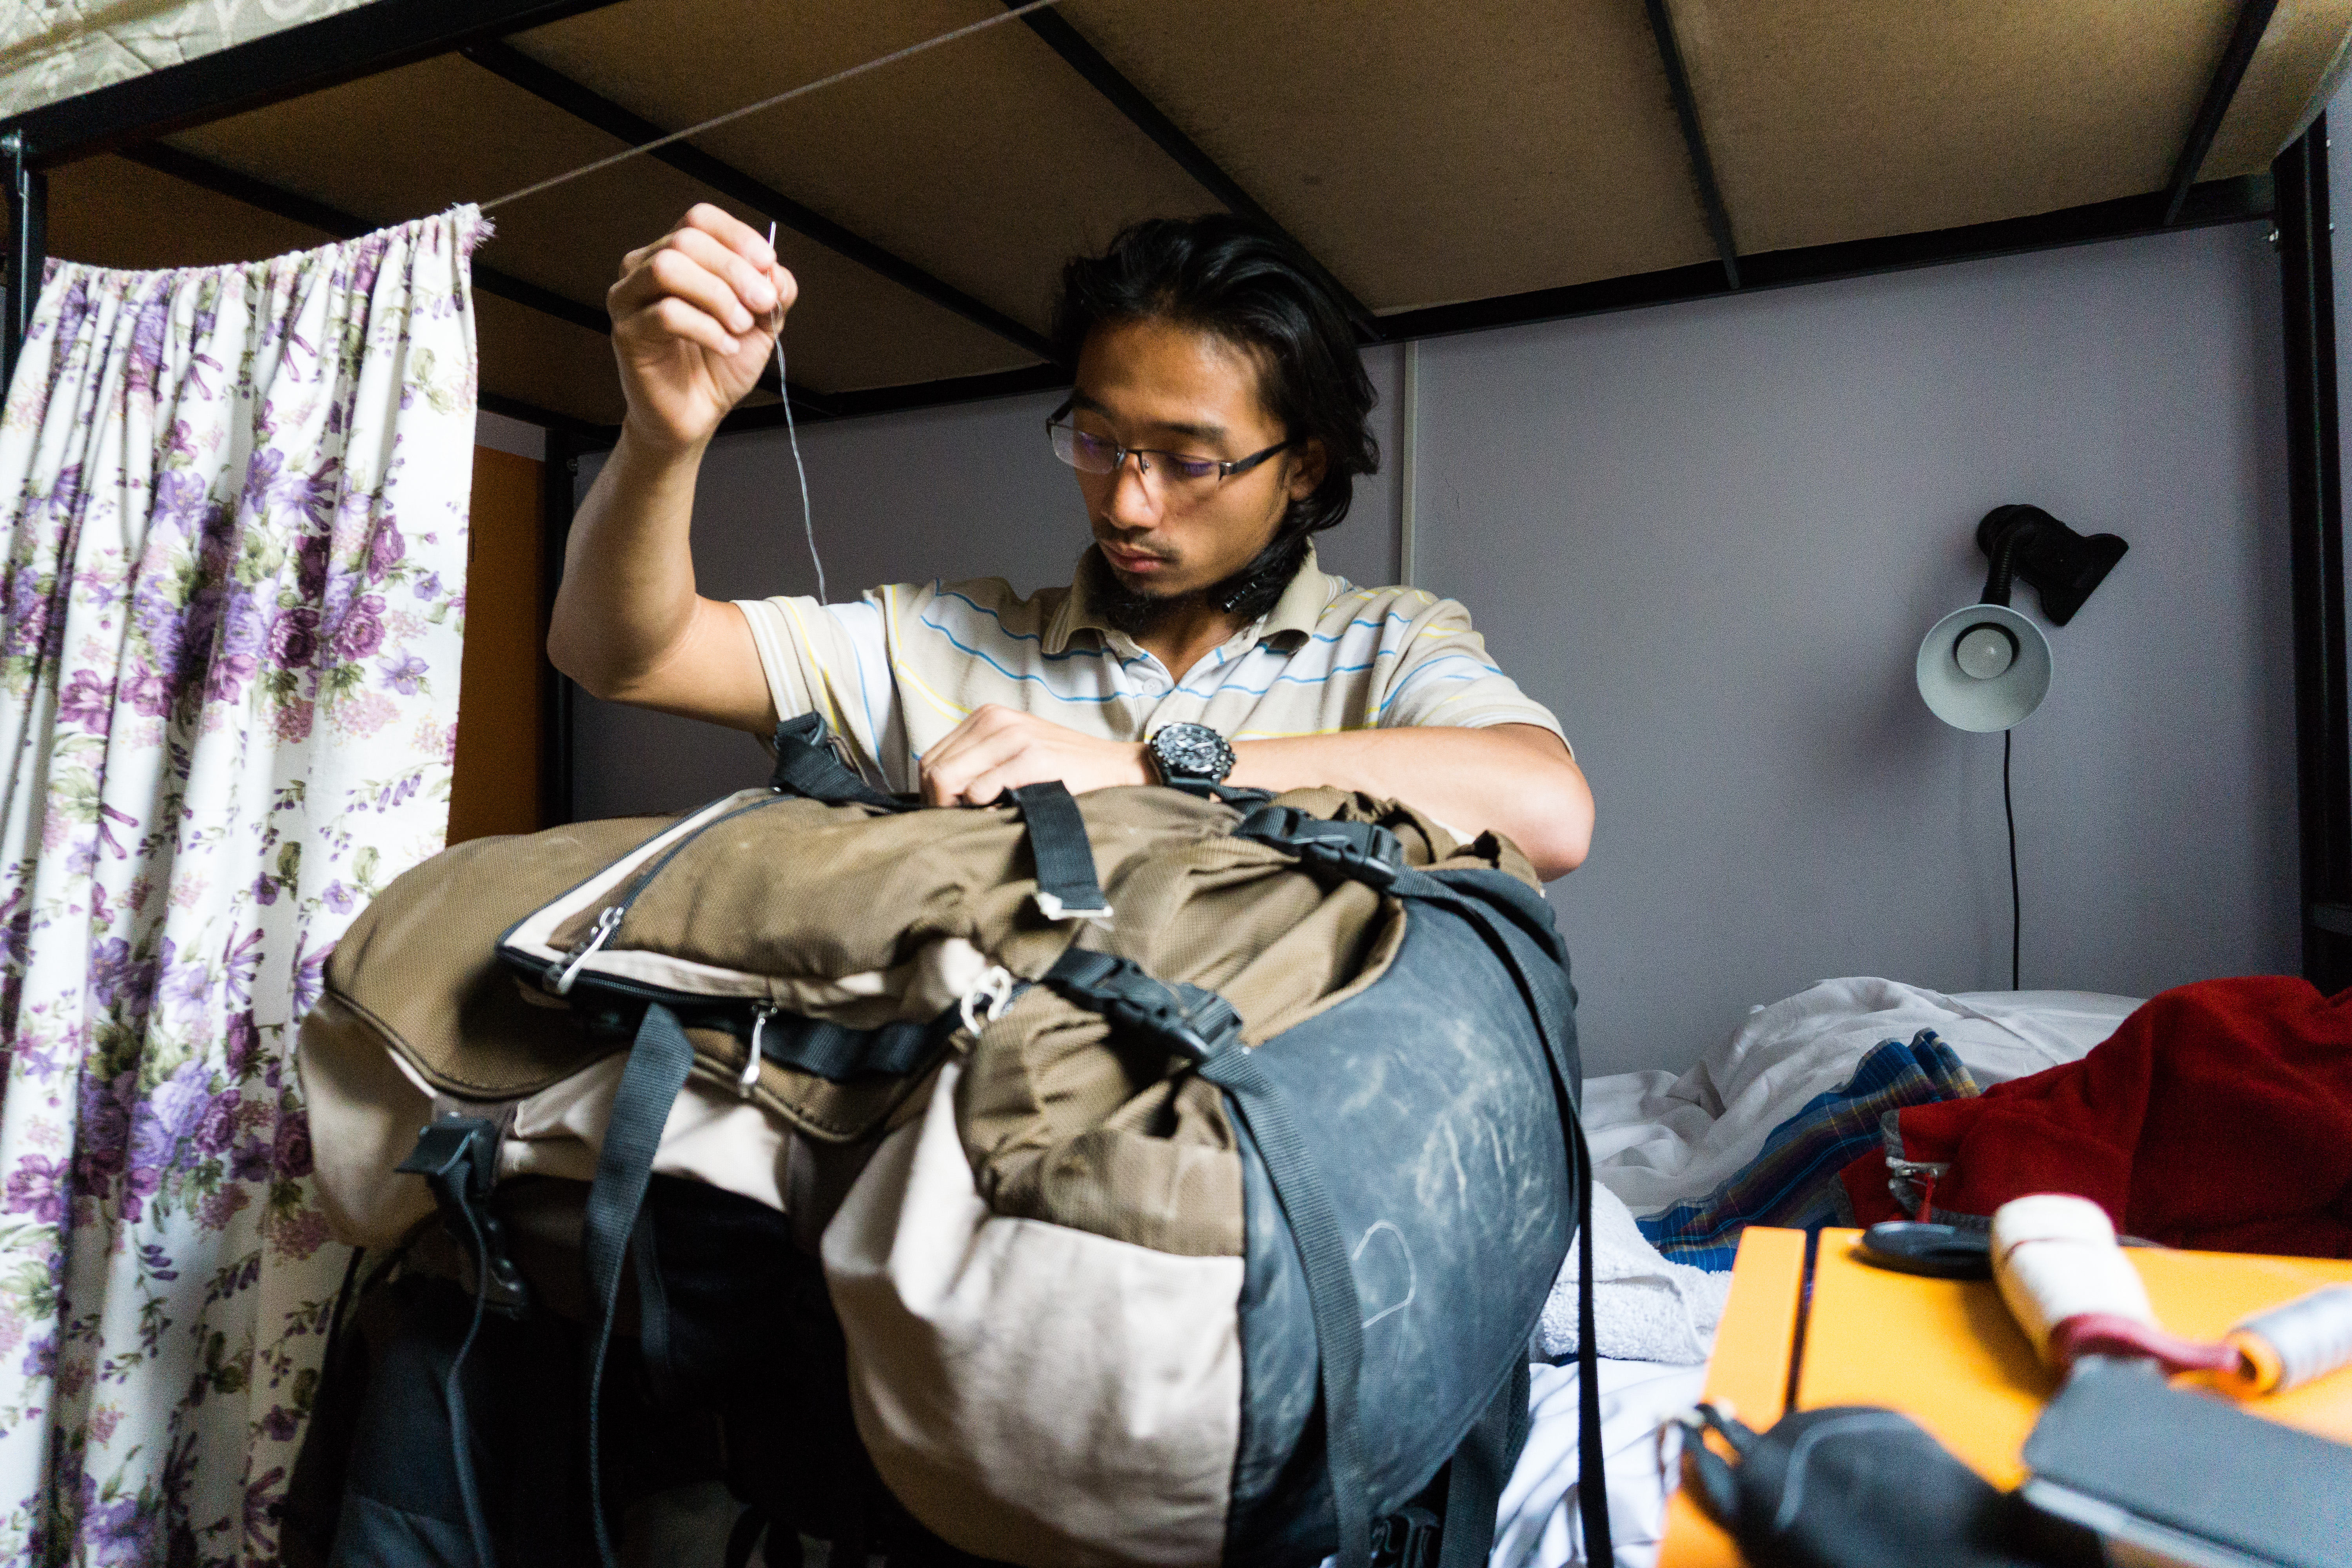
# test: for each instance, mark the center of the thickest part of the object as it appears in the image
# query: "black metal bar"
(2253, 16)
(2218, 201)
(1710, 194)
(584, 103)
(302, 209)
(1129, 100)
(2323, 659)
(28, 248)
(893, 399)
(557, 695)
(547, 419)
(357, 42)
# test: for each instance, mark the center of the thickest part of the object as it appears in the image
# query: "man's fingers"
(680, 275)
(677, 319)
(730, 231)
(749, 283)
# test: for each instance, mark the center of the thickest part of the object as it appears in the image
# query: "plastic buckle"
(1408, 1538)
(1051, 906)
(1360, 851)
(458, 1158)
(986, 1001)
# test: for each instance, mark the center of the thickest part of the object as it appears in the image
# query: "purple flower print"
(294, 638)
(310, 977)
(280, 1424)
(251, 1161)
(404, 674)
(243, 1043)
(311, 554)
(361, 631)
(338, 897)
(181, 502)
(291, 1156)
(386, 550)
(217, 1130)
(429, 586)
(147, 333)
(121, 1532)
(86, 700)
(118, 979)
(102, 1143)
(185, 986)
(26, 611)
(148, 693)
(168, 1118)
(265, 889)
(39, 1186)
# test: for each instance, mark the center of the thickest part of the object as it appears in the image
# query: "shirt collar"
(1293, 618)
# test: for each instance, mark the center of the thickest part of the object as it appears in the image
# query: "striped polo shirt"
(900, 668)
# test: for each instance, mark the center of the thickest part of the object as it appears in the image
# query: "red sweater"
(2219, 1117)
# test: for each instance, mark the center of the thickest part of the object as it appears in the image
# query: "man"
(1217, 420)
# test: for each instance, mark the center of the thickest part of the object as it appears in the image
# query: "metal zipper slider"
(606, 924)
(749, 1079)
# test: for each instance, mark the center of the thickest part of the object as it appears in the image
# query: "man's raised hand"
(694, 316)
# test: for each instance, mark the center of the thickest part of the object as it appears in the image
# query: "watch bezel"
(1214, 752)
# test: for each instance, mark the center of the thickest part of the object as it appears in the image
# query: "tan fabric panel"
(1425, 153)
(986, 162)
(111, 212)
(365, 148)
(2294, 70)
(1852, 118)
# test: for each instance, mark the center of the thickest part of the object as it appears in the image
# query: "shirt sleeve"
(1442, 676)
(834, 661)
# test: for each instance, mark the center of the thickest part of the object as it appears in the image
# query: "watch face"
(1191, 751)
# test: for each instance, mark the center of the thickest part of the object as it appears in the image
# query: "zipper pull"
(749, 1079)
(606, 924)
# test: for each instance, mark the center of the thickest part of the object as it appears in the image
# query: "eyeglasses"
(1172, 474)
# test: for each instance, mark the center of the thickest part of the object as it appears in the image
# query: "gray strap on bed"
(650, 1084)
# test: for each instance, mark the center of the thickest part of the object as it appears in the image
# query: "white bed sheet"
(1660, 1138)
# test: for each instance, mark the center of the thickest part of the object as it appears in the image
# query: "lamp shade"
(1984, 666)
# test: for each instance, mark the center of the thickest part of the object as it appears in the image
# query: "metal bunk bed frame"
(128, 117)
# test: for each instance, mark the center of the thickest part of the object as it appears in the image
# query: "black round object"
(1942, 1251)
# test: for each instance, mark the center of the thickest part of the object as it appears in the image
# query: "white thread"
(783, 390)
(626, 154)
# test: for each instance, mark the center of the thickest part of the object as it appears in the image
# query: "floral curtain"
(236, 503)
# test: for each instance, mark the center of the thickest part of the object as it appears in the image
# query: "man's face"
(1151, 385)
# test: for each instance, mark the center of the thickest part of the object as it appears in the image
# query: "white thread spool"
(2054, 1256)
(2308, 1337)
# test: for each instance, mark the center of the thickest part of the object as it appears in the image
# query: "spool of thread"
(2055, 1260)
(2290, 1345)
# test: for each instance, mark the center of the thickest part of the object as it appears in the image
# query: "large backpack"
(1188, 1170)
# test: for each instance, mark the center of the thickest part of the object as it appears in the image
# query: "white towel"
(1644, 1307)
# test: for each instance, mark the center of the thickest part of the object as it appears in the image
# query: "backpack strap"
(1368, 853)
(1067, 888)
(807, 766)
(657, 1072)
(1203, 1025)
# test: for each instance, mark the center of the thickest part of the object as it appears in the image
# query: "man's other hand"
(694, 316)
(998, 749)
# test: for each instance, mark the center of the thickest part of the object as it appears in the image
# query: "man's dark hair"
(1241, 282)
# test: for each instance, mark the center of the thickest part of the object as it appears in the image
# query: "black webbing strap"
(1201, 1025)
(658, 1063)
(457, 1157)
(837, 1053)
(1067, 886)
(1362, 851)
(1330, 1281)
(807, 766)
(1309, 838)
(1474, 1482)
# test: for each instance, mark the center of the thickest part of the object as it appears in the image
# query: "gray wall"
(1710, 536)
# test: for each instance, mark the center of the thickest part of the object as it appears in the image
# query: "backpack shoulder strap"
(808, 766)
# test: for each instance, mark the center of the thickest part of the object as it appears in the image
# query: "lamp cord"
(2008, 812)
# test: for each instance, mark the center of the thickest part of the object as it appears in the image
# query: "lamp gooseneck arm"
(2005, 546)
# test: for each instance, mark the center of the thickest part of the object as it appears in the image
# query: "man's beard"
(1134, 611)
(1250, 591)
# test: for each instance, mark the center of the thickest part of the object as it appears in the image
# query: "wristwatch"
(1190, 755)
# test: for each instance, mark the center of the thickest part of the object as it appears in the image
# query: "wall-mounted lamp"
(1987, 667)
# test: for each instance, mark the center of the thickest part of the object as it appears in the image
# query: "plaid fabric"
(1793, 1180)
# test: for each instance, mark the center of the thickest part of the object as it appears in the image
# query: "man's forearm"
(627, 597)
(1515, 779)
